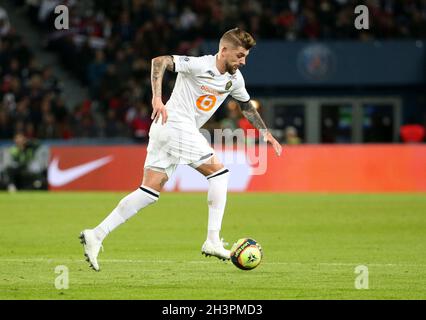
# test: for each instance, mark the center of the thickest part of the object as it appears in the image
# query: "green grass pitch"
(312, 245)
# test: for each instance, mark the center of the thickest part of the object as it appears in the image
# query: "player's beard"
(230, 68)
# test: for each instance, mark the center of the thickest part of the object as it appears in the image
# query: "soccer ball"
(246, 254)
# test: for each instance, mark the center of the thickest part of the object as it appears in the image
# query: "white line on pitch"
(48, 260)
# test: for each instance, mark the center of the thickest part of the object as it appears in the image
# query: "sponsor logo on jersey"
(212, 91)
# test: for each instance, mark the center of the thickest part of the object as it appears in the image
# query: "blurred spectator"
(6, 130)
(18, 173)
(140, 122)
(291, 136)
(233, 116)
(48, 128)
(95, 72)
(112, 126)
(4, 22)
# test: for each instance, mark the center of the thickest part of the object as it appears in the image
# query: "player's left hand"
(275, 144)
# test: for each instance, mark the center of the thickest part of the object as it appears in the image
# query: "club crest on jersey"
(228, 85)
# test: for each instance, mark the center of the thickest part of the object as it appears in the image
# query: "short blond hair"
(238, 38)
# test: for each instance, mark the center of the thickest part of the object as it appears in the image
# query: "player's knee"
(221, 175)
(154, 180)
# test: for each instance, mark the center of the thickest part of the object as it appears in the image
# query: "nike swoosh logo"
(58, 177)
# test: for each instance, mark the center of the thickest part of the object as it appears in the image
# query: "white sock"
(216, 197)
(126, 208)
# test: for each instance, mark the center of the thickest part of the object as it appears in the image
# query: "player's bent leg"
(148, 193)
(217, 176)
(154, 179)
(210, 166)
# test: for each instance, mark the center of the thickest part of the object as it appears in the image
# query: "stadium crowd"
(30, 100)
(110, 44)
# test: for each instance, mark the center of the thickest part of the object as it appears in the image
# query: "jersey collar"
(215, 69)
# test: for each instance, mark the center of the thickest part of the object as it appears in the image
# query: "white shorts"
(171, 144)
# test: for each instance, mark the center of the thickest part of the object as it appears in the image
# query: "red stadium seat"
(412, 133)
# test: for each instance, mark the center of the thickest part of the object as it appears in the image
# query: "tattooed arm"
(158, 67)
(249, 111)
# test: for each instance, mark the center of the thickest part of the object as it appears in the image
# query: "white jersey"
(200, 89)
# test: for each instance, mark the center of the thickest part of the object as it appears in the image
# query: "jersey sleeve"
(185, 64)
(240, 92)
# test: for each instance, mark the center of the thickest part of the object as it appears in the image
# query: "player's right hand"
(158, 108)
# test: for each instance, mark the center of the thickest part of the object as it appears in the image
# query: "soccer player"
(202, 84)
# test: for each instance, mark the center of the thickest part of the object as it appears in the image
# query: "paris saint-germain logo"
(316, 62)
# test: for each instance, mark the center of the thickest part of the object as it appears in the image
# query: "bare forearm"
(250, 112)
(158, 67)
